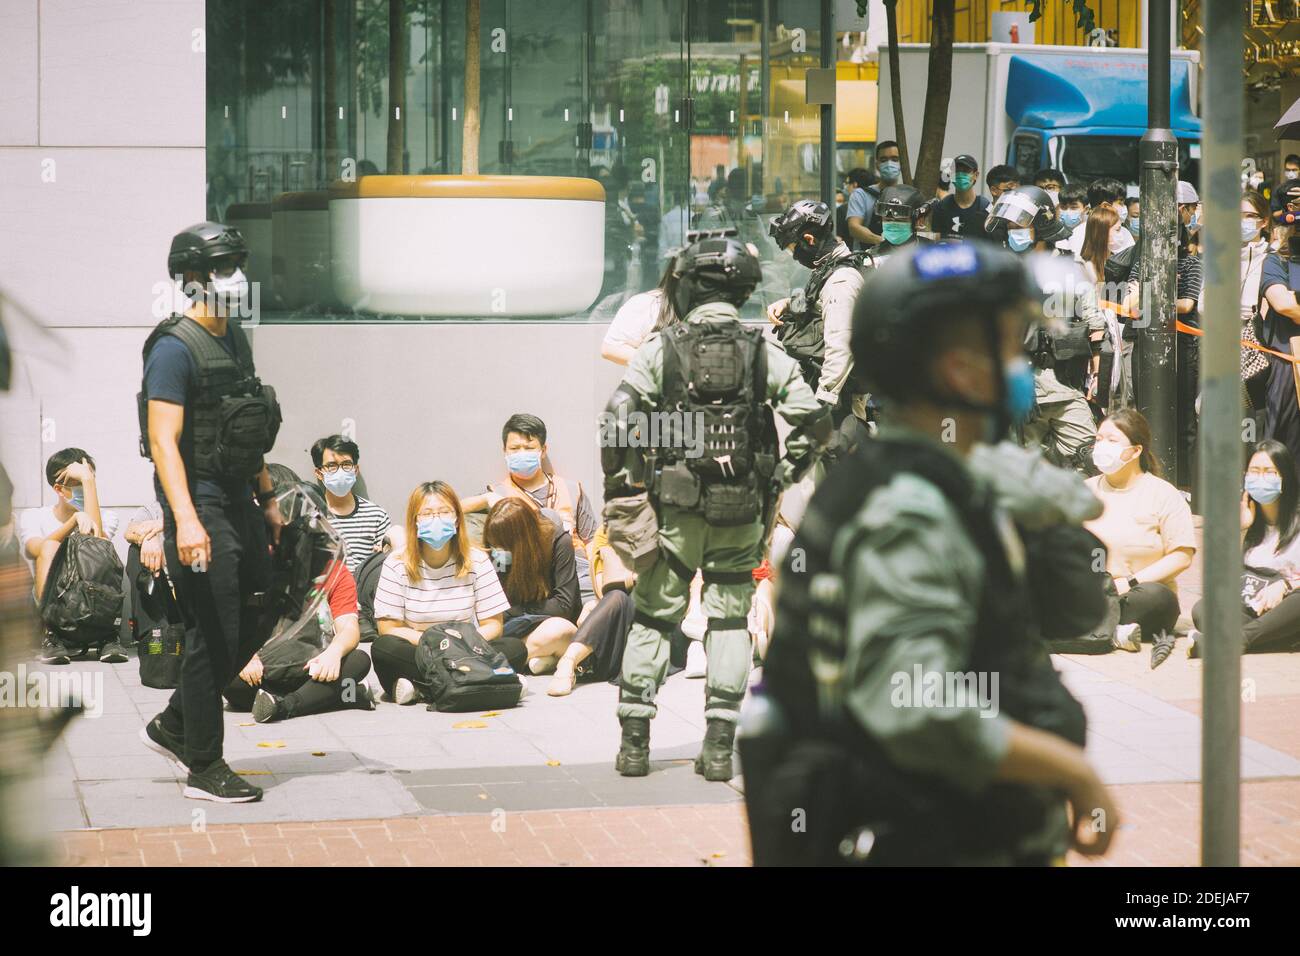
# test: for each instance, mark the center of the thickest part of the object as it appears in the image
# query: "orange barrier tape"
(1189, 330)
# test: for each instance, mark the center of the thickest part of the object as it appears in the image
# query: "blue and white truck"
(1079, 109)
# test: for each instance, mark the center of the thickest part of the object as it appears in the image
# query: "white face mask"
(1108, 457)
(1056, 196)
(231, 289)
(1122, 212)
(1291, 173)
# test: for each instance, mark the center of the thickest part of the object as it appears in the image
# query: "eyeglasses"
(427, 515)
(347, 466)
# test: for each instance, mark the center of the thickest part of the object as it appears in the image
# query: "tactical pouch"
(678, 486)
(718, 368)
(633, 531)
(248, 426)
(731, 504)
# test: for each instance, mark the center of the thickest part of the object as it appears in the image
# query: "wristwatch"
(1132, 583)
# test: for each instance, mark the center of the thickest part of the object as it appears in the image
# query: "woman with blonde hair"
(435, 578)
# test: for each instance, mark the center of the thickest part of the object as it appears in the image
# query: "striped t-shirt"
(439, 596)
(362, 531)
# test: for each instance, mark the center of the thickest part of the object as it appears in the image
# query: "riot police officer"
(914, 572)
(901, 209)
(711, 476)
(1024, 220)
(206, 421)
(815, 322)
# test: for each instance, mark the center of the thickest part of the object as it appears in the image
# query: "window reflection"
(689, 113)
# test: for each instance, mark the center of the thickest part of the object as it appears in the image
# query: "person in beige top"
(1146, 526)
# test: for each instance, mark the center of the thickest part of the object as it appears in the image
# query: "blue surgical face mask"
(340, 483)
(435, 532)
(502, 559)
(524, 464)
(1018, 376)
(78, 499)
(897, 233)
(1071, 217)
(1134, 226)
(891, 169)
(1020, 239)
(1265, 489)
(1249, 229)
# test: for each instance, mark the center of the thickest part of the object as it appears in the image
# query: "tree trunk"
(397, 57)
(934, 122)
(895, 90)
(469, 138)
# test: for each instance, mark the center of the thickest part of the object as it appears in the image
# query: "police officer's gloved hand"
(1035, 493)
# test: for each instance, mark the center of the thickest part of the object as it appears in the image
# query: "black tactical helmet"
(716, 269)
(1027, 206)
(807, 216)
(901, 204)
(896, 313)
(194, 249)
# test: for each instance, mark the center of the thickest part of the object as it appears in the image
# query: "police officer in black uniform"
(877, 736)
(206, 422)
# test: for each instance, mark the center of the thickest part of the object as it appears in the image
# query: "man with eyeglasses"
(361, 523)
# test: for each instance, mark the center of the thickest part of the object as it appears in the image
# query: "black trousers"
(299, 693)
(1152, 606)
(221, 630)
(1188, 383)
(1275, 630)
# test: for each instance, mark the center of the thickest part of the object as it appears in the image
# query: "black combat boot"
(714, 761)
(633, 758)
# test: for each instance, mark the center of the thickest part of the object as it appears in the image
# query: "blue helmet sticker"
(946, 261)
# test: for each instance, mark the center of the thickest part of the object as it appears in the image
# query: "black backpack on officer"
(234, 418)
(859, 805)
(82, 601)
(717, 451)
(462, 671)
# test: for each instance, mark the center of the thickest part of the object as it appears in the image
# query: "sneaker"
(217, 782)
(1128, 638)
(158, 739)
(404, 692)
(266, 706)
(542, 665)
(365, 699)
(565, 679)
(53, 651)
(112, 653)
(697, 663)
(1194, 644)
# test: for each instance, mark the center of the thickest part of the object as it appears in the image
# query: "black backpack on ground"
(462, 671)
(367, 583)
(82, 602)
(155, 624)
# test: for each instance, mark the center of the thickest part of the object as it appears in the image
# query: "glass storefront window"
(689, 113)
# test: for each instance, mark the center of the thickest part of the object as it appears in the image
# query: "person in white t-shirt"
(638, 317)
(436, 577)
(71, 473)
(1146, 526)
(1270, 535)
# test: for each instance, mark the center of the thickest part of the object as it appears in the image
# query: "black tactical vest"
(803, 333)
(714, 437)
(232, 418)
(829, 759)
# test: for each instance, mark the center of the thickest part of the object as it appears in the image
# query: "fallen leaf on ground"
(552, 763)
(468, 725)
(271, 744)
(318, 753)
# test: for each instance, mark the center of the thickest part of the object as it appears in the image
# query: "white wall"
(101, 161)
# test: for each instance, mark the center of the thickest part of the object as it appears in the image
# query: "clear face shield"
(304, 567)
(1015, 209)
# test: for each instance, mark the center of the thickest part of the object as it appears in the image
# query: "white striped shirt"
(362, 531)
(439, 596)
